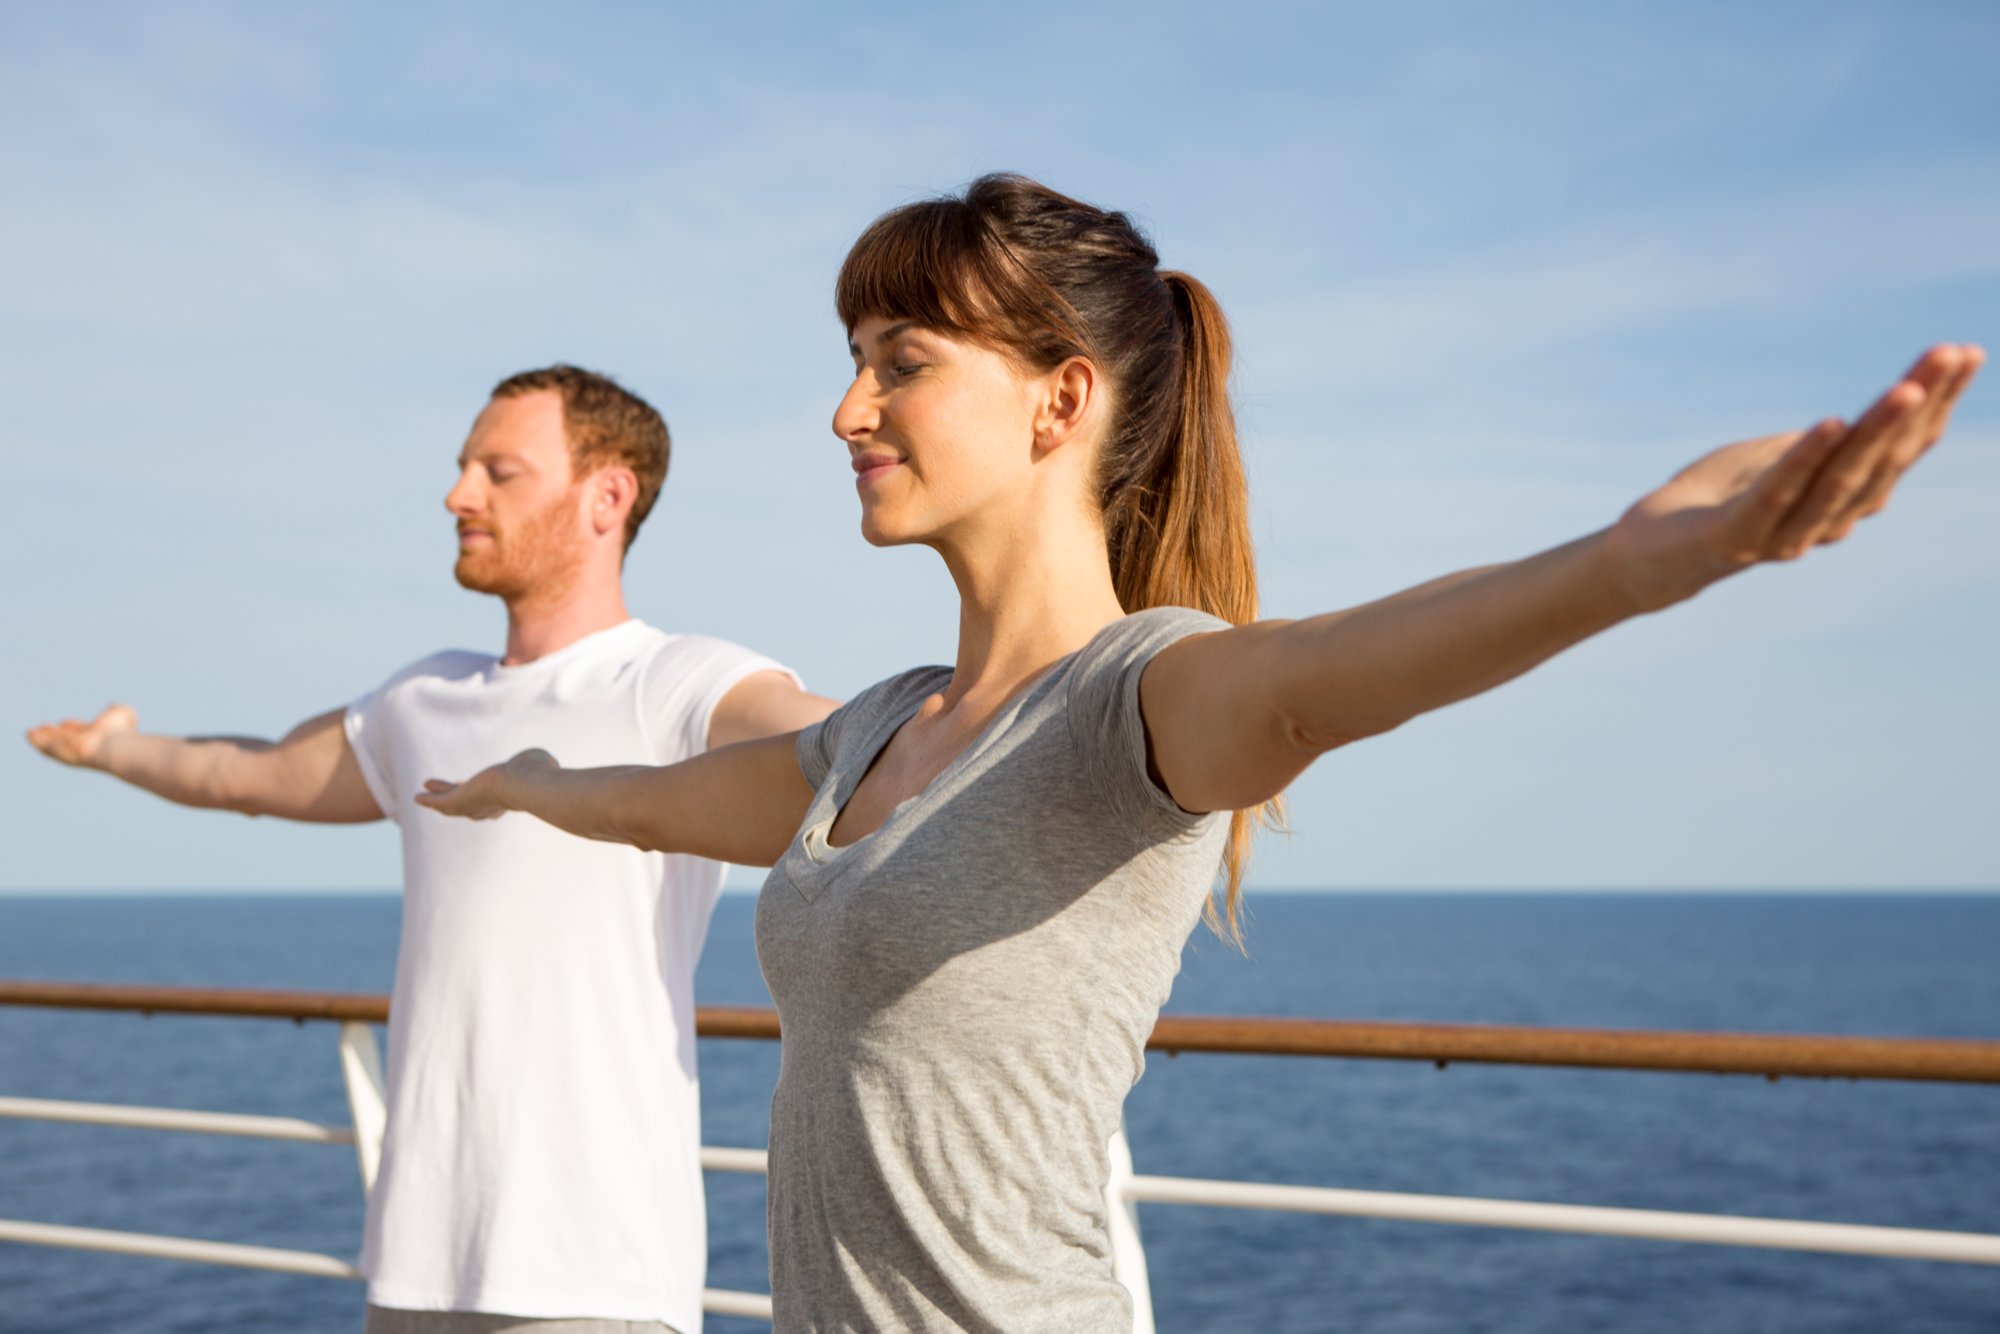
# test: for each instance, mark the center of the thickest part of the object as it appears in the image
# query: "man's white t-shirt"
(542, 1155)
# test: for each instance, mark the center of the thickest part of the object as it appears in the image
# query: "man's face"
(521, 525)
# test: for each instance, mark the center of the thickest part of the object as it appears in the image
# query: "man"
(541, 1159)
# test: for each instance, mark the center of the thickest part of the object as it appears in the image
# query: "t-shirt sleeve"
(684, 682)
(367, 726)
(819, 743)
(1107, 726)
(370, 723)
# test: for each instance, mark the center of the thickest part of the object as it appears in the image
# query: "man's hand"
(73, 741)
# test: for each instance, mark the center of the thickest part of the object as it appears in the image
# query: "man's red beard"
(539, 558)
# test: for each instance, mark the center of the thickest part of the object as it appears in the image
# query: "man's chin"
(478, 575)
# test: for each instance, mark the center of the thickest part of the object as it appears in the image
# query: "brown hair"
(1042, 277)
(606, 424)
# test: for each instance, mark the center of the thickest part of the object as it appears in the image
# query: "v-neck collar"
(809, 871)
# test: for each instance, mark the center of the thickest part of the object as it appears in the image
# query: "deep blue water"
(1909, 1154)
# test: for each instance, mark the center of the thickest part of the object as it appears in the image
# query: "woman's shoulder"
(1137, 636)
(894, 697)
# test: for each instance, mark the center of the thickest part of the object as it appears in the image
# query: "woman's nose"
(857, 414)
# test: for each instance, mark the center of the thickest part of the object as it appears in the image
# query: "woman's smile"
(872, 465)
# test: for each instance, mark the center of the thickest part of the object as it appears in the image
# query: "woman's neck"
(1025, 604)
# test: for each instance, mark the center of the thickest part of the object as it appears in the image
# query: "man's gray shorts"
(387, 1320)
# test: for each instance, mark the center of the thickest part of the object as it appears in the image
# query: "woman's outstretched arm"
(740, 803)
(1233, 717)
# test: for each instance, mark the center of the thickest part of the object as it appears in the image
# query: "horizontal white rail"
(1654, 1224)
(166, 1118)
(716, 1159)
(1717, 1229)
(728, 1301)
(1658, 1225)
(176, 1248)
(718, 1301)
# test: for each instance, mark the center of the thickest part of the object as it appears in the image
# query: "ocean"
(1883, 1153)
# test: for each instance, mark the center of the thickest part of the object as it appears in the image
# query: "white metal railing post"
(1128, 1251)
(361, 1067)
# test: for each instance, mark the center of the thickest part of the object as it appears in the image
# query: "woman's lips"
(873, 467)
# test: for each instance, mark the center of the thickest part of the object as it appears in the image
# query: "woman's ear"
(1069, 395)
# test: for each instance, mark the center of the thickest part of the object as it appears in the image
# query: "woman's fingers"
(1784, 484)
(452, 798)
(1926, 431)
(1847, 472)
(434, 793)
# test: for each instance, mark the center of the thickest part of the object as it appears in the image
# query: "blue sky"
(1494, 272)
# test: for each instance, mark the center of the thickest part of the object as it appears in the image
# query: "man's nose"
(463, 498)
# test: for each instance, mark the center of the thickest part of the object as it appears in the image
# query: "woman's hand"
(490, 792)
(1779, 497)
(739, 803)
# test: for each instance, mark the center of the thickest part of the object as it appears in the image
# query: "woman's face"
(941, 433)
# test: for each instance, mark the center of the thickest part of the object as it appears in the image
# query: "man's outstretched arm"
(764, 704)
(311, 774)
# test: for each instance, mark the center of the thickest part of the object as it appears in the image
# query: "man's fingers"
(56, 740)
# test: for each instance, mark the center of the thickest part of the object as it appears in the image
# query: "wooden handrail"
(299, 1005)
(1950, 1060)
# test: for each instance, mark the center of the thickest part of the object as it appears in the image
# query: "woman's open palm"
(1778, 497)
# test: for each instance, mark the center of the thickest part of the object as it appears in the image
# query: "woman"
(984, 874)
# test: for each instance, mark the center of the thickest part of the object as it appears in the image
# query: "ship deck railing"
(1773, 1056)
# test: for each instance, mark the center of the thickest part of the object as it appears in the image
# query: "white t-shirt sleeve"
(370, 727)
(367, 731)
(686, 677)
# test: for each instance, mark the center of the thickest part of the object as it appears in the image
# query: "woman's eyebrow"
(902, 327)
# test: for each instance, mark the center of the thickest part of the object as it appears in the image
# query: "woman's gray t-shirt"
(966, 994)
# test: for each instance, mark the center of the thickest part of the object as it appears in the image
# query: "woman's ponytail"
(1201, 554)
(1205, 557)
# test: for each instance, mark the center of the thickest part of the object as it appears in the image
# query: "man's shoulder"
(672, 651)
(451, 664)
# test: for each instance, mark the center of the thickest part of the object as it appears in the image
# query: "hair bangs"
(932, 262)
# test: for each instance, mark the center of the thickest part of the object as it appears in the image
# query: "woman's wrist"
(523, 778)
(1646, 576)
